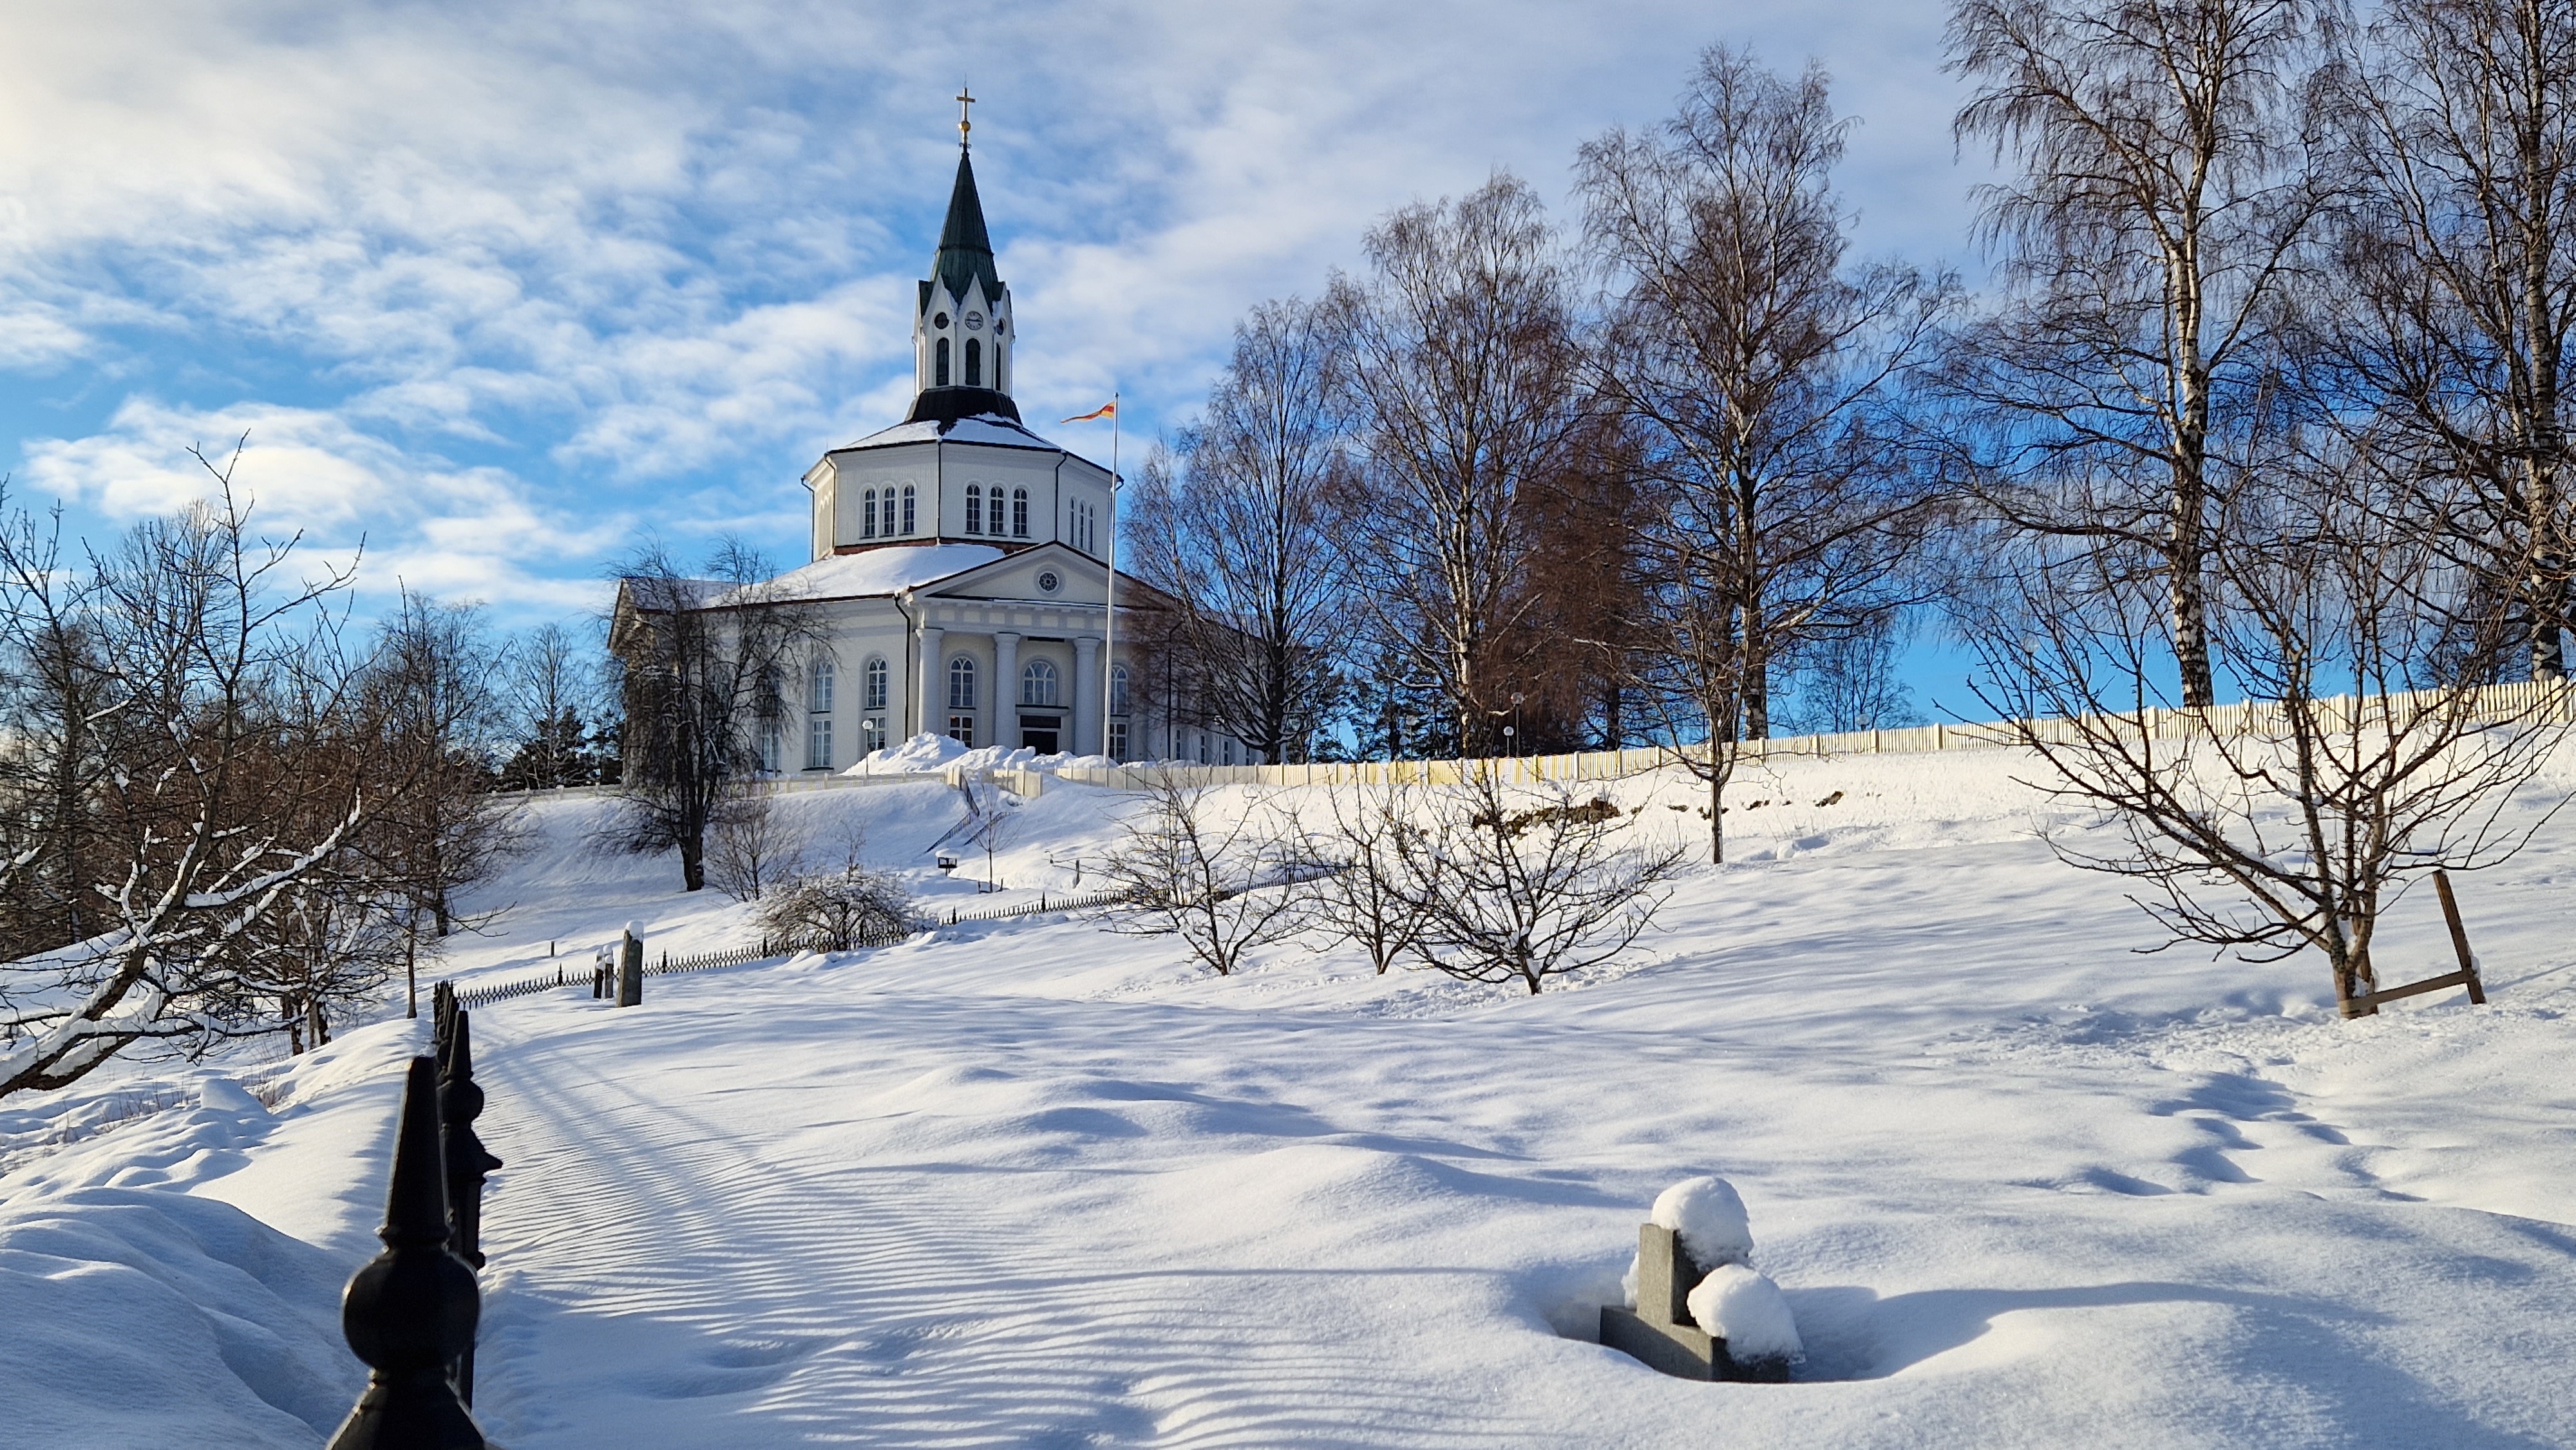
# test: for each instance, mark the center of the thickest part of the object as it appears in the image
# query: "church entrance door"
(1041, 732)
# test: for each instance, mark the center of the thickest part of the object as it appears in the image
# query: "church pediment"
(1047, 574)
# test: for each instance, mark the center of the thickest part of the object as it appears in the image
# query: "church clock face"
(974, 321)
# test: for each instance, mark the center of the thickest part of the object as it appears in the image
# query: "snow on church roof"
(879, 571)
(991, 428)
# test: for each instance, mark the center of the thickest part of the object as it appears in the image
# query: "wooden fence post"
(2459, 938)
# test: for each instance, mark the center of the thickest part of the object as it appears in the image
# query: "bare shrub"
(2364, 754)
(1225, 883)
(1366, 888)
(839, 910)
(1526, 883)
(751, 846)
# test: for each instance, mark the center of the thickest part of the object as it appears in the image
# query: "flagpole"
(1109, 627)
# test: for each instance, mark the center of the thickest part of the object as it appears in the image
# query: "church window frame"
(872, 735)
(961, 682)
(974, 362)
(868, 514)
(1019, 513)
(1039, 682)
(1119, 684)
(939, 364)
(819, 679)
(907, 508)
(974, 508)
(873, 680)
(818, 742)
(1118, 740)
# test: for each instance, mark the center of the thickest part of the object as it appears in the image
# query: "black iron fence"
(411, 1312)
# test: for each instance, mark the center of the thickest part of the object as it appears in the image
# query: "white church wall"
(912, 465)
(964, 465)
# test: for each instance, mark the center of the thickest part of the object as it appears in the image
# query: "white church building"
(959, 574)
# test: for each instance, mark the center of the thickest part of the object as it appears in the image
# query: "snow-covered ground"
(1033, 1183)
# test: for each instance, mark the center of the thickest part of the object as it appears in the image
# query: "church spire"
(965, 248)
(962, 334)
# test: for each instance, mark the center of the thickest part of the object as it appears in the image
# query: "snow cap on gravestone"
(1749, 1312)
(1709, 1217)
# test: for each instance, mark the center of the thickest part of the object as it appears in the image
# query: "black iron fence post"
(460, 1102)
(412, 1310)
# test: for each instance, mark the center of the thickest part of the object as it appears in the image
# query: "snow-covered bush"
(838, 910)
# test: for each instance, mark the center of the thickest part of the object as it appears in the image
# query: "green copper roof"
(965, 251)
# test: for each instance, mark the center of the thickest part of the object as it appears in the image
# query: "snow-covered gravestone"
(1701, 1311)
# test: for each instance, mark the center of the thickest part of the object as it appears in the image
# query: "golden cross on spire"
(965, 99)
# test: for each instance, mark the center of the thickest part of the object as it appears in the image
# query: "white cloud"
(455, 532)
(659, 255)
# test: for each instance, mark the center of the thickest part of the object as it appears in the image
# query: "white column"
(1006, 690)
(1087, 724)
(934, 675)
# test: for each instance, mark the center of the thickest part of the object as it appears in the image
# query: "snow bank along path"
(1029, 1183)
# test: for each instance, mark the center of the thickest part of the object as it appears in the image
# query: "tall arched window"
(907, 508)
(961, 683)
(975, 509)
(939, 367)
(772, 707)
(868, 514)
(999, 352)
(818, 719)
(974, 363)
(873, 686)
(1037, 683)
(1019, 513)
(1118, 690)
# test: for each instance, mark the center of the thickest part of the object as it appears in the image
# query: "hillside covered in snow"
(1040, 1183)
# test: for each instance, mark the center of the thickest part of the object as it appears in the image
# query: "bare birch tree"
(1240, 535)
(1762, 373)
(430, 691)
(701, 659)
(2449, 314)
(1466, 393)
(2168, 180)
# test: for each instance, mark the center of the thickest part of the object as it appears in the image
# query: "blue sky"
(498, 288)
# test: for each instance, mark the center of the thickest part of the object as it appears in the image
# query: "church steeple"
(962, 336)
(965, 248)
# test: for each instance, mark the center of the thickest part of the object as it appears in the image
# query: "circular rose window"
(941, 321)
(1048, 582)
(974, 320)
